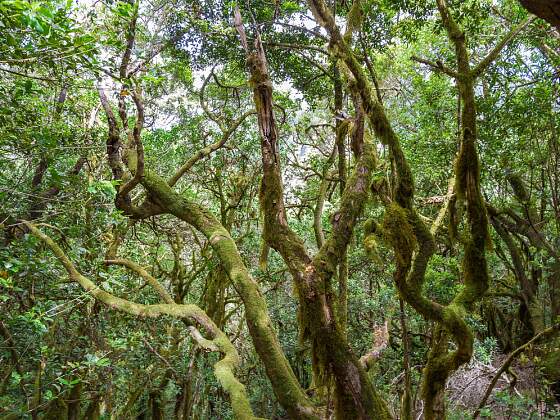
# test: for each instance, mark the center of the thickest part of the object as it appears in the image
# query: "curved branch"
(135, 162)
(206, 151)
(209, 114)
(145, 275)
(404, 228)
(381, 339)
(493, 54)
(318, 211)
(113, 139)
(223, 369)
(130, 38)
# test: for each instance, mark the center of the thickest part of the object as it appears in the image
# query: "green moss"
(398, 232)
(518, 187)
(370, 245)
(550, 361)
(370, 226)
(353, 20)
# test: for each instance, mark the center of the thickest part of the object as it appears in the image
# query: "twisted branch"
(223, 369)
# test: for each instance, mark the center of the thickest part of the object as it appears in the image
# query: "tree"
(222, 265)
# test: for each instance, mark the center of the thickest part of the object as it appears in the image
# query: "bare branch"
(295, 47)
(30, 76)
(206, 151)
(493, 54)
(238, 22)
(438, 66)
(130, 37)
(505, 366)
(380, 341)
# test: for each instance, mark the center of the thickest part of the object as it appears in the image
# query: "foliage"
(173, 75)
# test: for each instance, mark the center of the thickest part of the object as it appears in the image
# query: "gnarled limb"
(113, 139)
(474, 267)
(284, 382)
(355, 395)
(403, 227)
(115, 160)
(135, 162)
(223, 369)
(380, 341)
(372, 107)
(321, 194)
(162, 198)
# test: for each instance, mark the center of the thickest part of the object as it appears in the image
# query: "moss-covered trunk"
(284, 382)
(74, 402)
(355, 395)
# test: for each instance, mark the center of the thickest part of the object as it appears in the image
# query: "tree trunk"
(93, 411)
(73, 402)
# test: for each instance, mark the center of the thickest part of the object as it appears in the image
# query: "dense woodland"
(279, 209)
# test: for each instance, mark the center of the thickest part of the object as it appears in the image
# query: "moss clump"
(550, 365)
(398, 232)
(378, 185)
(370, 226)
(354, 20)
(370, 245)
(263, 257)
(518, 187)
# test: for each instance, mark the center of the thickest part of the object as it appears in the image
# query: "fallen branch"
(505, 366)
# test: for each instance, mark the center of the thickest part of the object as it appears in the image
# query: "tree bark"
(355, 395)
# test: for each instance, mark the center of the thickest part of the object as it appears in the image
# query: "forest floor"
(516, 390)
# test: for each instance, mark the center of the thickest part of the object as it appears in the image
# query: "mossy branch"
(277, 231)
(404, 186)
(284, 382)
(145, 275)
(403, 226)
(321, 194)
(354, 197)
(223, 369)
(312, 277)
